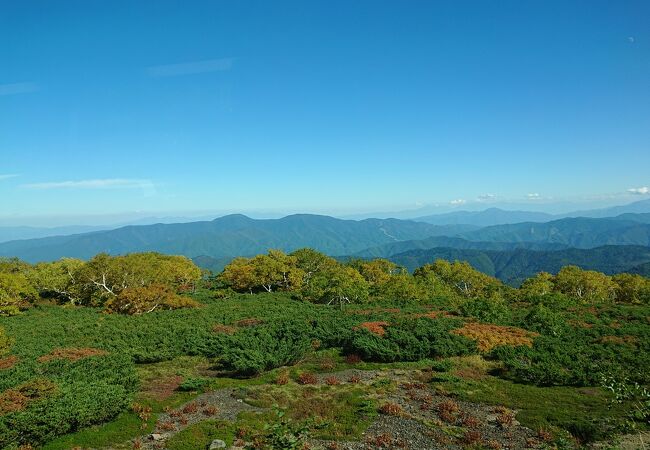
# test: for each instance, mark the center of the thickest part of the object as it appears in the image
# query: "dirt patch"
(72, 353)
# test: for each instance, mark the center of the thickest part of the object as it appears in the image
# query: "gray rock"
(217, 443)
(155, 437)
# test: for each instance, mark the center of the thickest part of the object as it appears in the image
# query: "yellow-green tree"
(16, 293)
(275, 271)
(464, 279)
(104, 277)
(585, 285)
(146, 299)
(538, 286)
(56, 279)
(632, 288)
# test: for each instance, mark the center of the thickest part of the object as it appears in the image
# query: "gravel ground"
(220, 404)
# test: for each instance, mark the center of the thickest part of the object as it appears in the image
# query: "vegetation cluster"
(74, 334)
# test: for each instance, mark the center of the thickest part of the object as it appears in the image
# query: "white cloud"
(458, 201)
(631, 39)
(106, 183)
(190, 68)
(7, 176)
(640, 190)
(533, 196)
(18, 88)
(486, 197)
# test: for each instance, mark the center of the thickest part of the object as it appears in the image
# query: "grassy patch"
(124, 428)
(539, 407)
(341, 412)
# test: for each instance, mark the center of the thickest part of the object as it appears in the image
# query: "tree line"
(143, 282)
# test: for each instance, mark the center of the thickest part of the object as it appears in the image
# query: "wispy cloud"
(458, 201)
(105, 183)
(18, 88)
(486, 197)
(190, 68)
(8, 176)
(533, 196)
(643, 190)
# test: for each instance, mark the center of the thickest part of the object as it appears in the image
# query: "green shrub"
(253, 350)
(411, 340)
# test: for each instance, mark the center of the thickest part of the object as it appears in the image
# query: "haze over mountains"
(510, 251)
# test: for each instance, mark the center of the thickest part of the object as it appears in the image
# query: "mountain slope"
(393, 248)
(513, 266)
(574, 232)
(232, 235)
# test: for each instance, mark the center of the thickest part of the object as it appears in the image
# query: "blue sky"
(113, 107)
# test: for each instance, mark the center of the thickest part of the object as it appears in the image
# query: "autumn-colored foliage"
(488, 336)
(307, 378)
(374, 327)
(72, 353)
(391, 409)
(16, 399)
(8, 362)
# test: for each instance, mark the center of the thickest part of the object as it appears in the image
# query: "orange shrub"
(307, 378)
(391, 409)
(17, 398)
(332, 381)
(488, 336)
(374, 327)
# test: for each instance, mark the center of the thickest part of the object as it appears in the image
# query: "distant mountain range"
(232, 235)
(16, 233)
(574, 232)
(511, 252)
(488, 217)
(496, 216)
(514, 266)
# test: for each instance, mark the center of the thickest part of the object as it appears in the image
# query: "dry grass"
(190, 408)
(332, 381)
(223, 329)
(472, 437)
(391, 409)
(72, 353)
(210, 411)
(488, 336)
(8, 362)
(163, 388)
(354, 379)
(282, 379)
